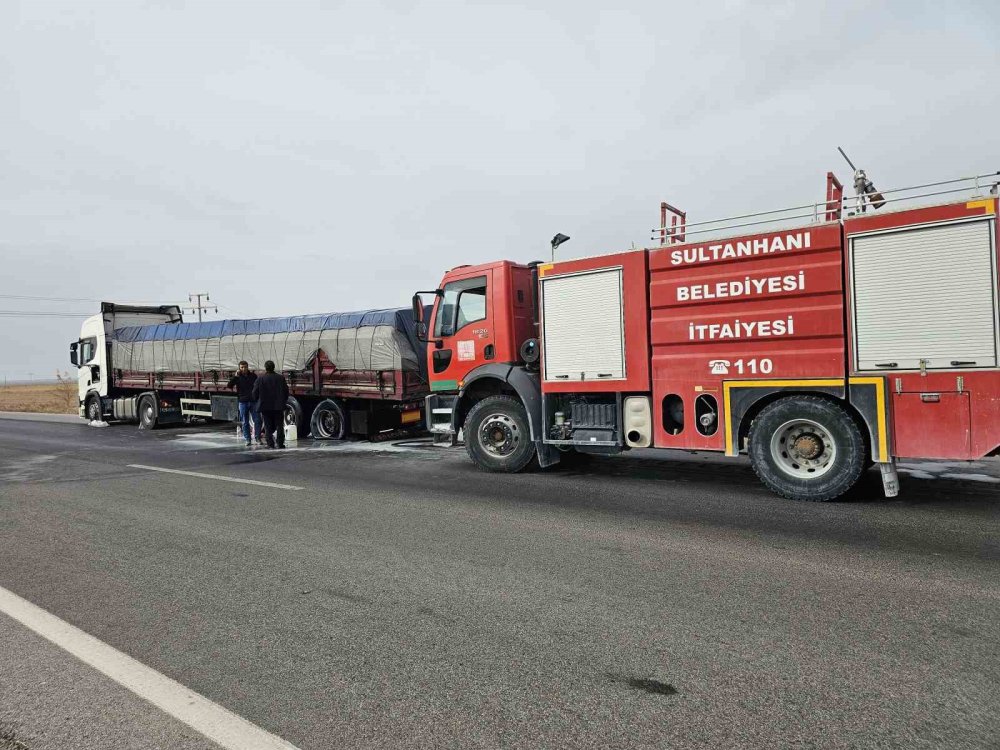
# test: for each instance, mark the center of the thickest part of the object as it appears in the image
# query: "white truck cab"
(91, 352)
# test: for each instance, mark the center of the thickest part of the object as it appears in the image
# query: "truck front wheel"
(806, 448)
(498, 436)
(94, 409)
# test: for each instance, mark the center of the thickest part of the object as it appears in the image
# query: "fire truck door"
(463, 333)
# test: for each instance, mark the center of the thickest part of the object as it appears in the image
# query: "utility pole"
(199, 306)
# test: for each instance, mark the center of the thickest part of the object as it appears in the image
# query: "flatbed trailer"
(145, 365)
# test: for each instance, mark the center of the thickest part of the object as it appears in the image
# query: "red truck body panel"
(766, 306)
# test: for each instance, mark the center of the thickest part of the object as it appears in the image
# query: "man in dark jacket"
(271, 394)
(243, 381)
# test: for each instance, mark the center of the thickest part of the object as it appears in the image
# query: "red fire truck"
(828, 338)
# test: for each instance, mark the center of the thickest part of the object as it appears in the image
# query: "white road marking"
(216, 476)
(198, 712)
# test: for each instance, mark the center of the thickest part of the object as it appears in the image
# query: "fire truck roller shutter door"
(925, 297)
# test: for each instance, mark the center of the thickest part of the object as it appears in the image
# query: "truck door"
(463, 335)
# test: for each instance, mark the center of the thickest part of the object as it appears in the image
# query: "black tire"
(806, 448)
(148, 413)
(294, 414)
(93, 409)
(329, 421)
(498, 435)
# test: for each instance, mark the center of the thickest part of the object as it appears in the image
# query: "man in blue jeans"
(243, 381)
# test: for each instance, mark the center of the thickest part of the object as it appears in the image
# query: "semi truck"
(820, 340)
(359, 373)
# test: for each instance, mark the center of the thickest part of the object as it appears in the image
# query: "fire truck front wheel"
(498, 436)
(806, 448)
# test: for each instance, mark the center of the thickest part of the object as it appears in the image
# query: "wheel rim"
(499, 435)
(94, 412)
(289, 415)
(803, 449)
(147, 414)
(328, 423)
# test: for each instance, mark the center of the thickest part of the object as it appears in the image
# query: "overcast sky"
(294, 157)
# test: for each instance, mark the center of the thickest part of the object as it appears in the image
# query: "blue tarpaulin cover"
(401, 319)
(362, 340)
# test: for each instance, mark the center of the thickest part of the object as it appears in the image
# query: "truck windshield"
(463, 302)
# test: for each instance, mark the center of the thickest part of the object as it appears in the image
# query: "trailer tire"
(806, 448)
(329, 421)
(294, 416)
(498, 435)
(147, 412)
(93, 408)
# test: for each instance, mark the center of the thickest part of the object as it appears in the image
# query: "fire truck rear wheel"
(806, 448)
(498, 436)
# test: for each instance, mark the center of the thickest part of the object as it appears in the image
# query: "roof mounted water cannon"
(865, 190)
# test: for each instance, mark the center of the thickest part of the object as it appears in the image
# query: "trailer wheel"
(295, 416)
(147, 412)
(329, 422)
(498, 436)
(94, 409)
(806, 448)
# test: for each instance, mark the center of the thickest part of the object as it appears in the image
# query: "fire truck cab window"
(464, 302)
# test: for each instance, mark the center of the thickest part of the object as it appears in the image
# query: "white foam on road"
(218, 477)
(206, 717)
(962, 470)
(216, 440)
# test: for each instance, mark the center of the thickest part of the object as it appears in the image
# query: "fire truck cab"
(844, 338)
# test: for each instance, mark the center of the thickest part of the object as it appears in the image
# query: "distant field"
(50, 398)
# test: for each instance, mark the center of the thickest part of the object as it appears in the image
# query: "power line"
(238, 312)
(42, 314)
(49, 299)
(86, 299)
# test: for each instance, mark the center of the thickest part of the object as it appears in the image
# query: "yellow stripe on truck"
(883, 416)
(986, 205)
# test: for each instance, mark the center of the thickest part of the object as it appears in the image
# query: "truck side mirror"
(74, 357)
(420, 314)
(418, 318)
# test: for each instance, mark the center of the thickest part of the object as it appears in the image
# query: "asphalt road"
(404, 599)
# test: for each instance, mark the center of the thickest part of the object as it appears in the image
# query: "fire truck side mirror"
(420, 313)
